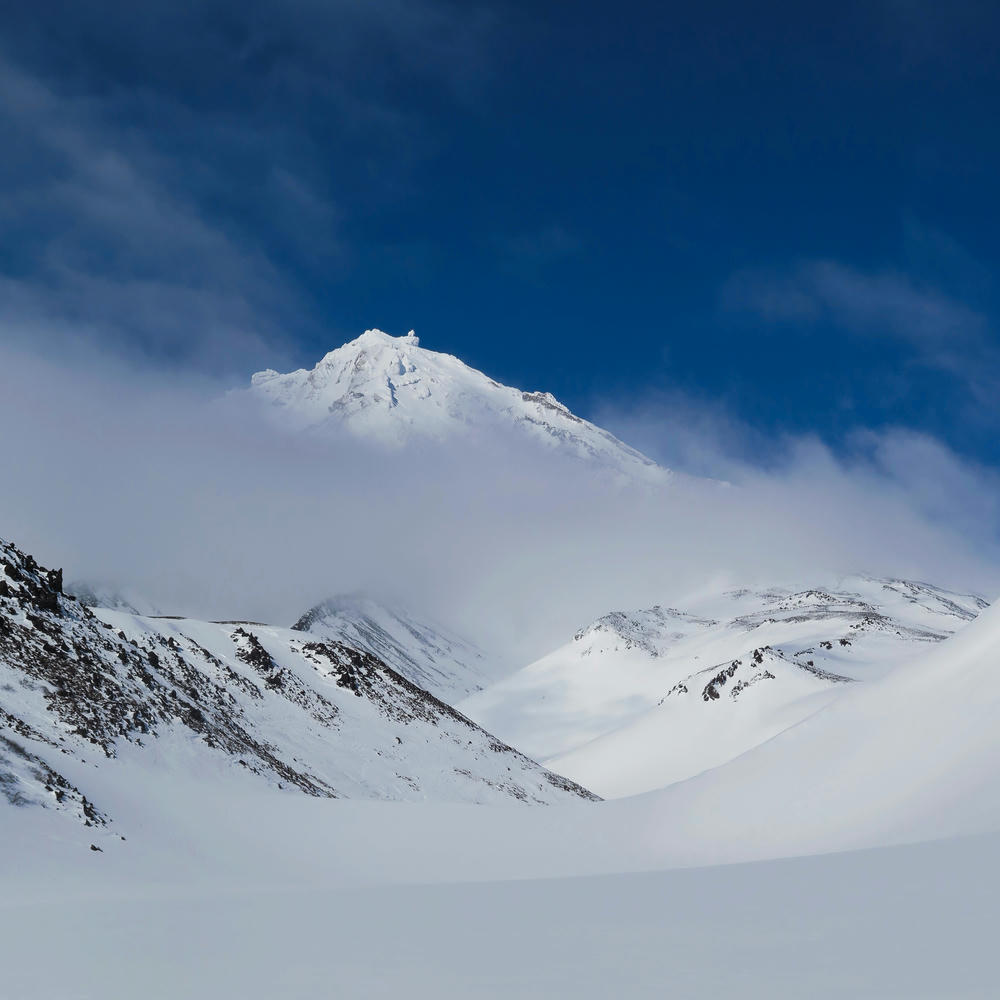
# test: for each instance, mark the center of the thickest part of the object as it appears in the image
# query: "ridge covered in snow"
(430, 655)
(391, 390)
(82, 690)
(912, 755)
(640, 700)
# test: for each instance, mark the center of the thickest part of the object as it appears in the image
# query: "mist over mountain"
(426, 653)
(393, 392)
(504, 518)
(740, 640)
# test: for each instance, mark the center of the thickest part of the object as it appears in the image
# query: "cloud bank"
(195, 500)
(940, 332)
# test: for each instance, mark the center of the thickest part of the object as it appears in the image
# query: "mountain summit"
(392, 390)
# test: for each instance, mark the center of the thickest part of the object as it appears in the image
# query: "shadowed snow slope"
(916, 921)
(638, 701)
(391, 390)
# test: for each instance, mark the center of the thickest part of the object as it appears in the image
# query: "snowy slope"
(637, 701)
(428, 654)
(316, 888)
(222, 699)
(390, 390)
(262, 894)
(912, 755)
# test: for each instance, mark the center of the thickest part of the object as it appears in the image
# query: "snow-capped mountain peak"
(391, 390)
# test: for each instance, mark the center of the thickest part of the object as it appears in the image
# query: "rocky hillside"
(299, 712)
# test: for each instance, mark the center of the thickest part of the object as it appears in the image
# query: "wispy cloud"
(111, 251)
(191, 216)
(886, 304)
(892, 495)
(940, 331)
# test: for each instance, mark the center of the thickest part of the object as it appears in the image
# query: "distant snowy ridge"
(425, 653)
(643, 699)
(912, 755)
(391, 390)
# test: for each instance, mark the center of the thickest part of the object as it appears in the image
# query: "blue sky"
(782, 212)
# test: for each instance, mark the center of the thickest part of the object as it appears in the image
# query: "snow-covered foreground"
(155, 839)
(909, 922)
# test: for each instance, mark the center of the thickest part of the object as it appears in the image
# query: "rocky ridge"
(305, 714)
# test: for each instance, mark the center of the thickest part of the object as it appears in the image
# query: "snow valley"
(513, 664)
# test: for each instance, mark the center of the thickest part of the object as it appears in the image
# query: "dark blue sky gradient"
(787, 209)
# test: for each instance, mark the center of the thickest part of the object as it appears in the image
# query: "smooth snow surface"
(637, 701)
(390, 390)
(910, 922)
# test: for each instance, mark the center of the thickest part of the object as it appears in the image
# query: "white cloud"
(889, 304)
(940, 331)
(115, 254)
(116, 473)
(894, 500)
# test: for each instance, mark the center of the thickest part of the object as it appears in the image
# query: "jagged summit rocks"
(391, 390)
